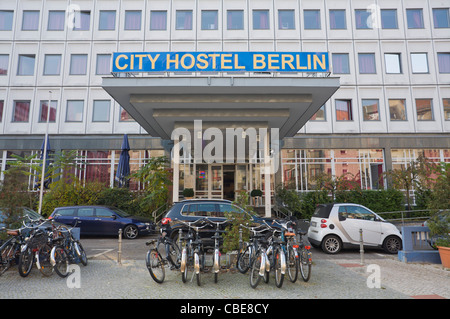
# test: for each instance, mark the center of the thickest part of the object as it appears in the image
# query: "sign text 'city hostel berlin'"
(220, 62)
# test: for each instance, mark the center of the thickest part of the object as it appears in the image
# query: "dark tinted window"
(86, 212)
(322, 211)
(103, 212)
(66, 212)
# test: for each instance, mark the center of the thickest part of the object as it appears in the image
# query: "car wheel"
(130, 232)
(331, 244)
(392, 244)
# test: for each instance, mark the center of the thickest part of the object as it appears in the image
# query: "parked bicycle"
(66, 250)
(193, 253)
(10, 249)
(154, 260)
(259, 264)
(247, 249)
(217, 241)
(276, 256)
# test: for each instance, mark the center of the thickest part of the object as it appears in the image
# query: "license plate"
(313, 224)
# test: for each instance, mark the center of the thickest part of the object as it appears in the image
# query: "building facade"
(392, 59)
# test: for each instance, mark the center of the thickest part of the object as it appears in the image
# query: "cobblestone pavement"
(331, 279)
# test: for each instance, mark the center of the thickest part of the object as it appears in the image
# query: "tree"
(156, 178)
(440, 196)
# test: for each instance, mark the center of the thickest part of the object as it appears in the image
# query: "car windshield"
(119, 212)
(31, 213)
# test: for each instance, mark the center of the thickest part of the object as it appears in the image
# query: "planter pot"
(444, 253)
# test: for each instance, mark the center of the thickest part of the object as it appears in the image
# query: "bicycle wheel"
(61, 261)
(186, 261)
(243, 260)
(255, 266)
(279, 276)
(43, 260)
(305, 264)
(197, 267)
(174, 255)
(155, 266)
(81, 253)
(292, 265)
(7, 255)
(25, 262)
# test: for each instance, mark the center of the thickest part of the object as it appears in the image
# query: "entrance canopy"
(161, 104)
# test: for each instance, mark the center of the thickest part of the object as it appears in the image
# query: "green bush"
(309, 202)
(388, 200)
(122, 198)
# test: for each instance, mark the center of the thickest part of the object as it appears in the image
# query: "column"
(267, 197)
(176, 169)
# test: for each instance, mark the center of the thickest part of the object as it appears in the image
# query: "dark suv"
(195, 209)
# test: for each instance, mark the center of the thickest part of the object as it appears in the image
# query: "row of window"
(364, 19)
(344, 110)
(340, 63)
(392, 61)
(397, 110)
(74, 111)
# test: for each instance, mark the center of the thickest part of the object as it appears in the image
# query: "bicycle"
(276, 257)
(193, 254)
(290, 247)
(10, 249)
(247, 249)
(259, 266)
(66, 250)
(154, 262)
(216, 257)
(305, 258)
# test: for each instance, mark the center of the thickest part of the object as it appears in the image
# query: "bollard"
(361, 246)
(119, 253)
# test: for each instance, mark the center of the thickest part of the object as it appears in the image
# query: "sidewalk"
(330, 279)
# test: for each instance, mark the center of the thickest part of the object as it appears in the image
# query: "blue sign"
(220, 62)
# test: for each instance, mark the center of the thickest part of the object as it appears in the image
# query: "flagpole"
(44, 158)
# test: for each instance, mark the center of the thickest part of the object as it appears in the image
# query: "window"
(66, 212)
(366, 63)
(124, 116)
(100, 111)
(320, 114)
(4, 62)
(30, 20)
(184, 20)
(370, 110)
(82, 21)
(2, 103)
(444, 62)
(158, 20)
(392, 62)
(86, 212)
(6, 20)
(103, 64)
(311, 19)
(132, 20)
(21, 111)
(52, 64)
(209, 20)
(414, 18)
(103, 212)
(26, 64)
(424, 109)
(44, 109)
(344, 110)
(78, 64)
(235, 19)
(355, 212)
(75, 110)
(286, 19)
(338, 19)
(56, 20)
(340, 63)
(446, 105)
(389, 19)
(261, 19)
(397, 109)
(107, 20)
(363, 19)
(419, 63)
(441, 18)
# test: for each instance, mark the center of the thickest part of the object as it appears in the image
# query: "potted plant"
(188, 193)
(255, 194)
(439, 226)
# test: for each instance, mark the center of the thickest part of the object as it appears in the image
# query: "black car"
(103, 220)
(196, 209)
